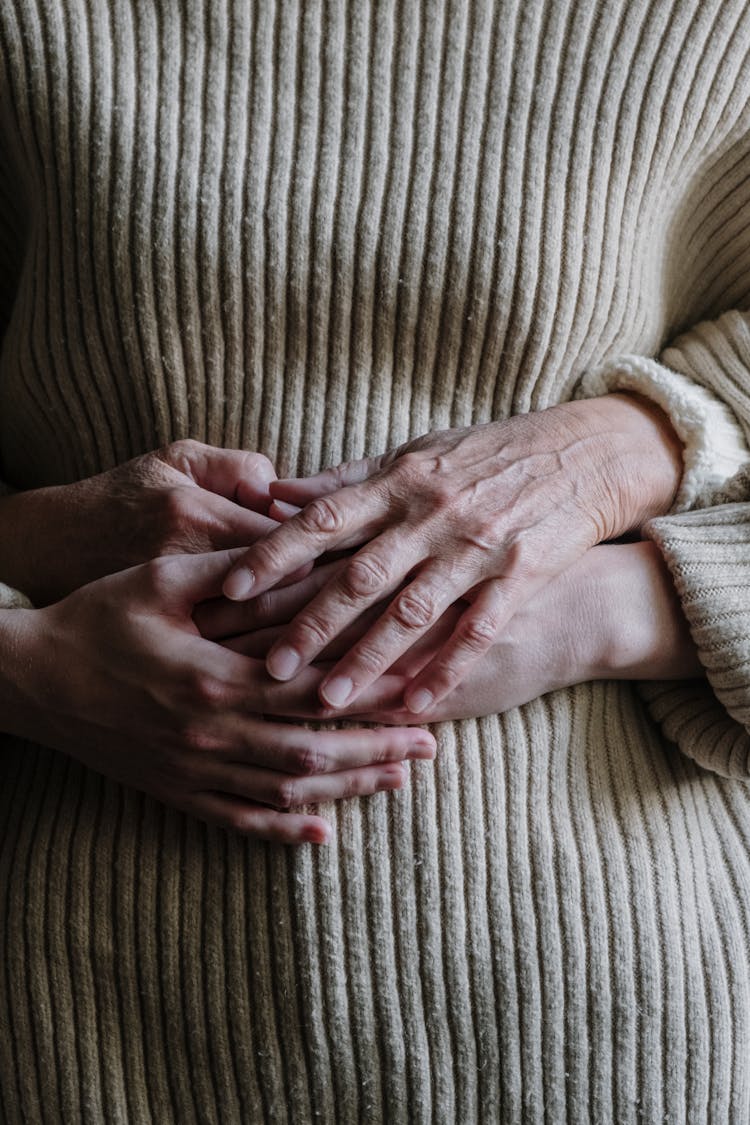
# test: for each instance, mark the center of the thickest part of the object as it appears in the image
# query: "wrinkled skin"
(184, 498)
(489, 514)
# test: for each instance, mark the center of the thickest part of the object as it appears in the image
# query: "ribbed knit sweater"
(316, 230)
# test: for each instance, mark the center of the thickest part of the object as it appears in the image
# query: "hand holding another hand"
(184, 498)
(613, 614)
(490, 513)
(117, 676)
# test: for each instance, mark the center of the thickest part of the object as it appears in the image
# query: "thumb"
(179, 582)
(235, 474)
(300, 490)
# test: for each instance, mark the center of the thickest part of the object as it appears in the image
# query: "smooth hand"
(185, 498)
(490, 513)
(117, 676)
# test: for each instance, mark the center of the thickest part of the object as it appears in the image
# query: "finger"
(344, 519)
(476, 631)
(281, 511)
(300, 490)
(285, 791)
(222, 618)
(408, 617)
(230, 525)
(295, 750)
(235, 474)
(259, 643)
(371, 575)
(177, 582)
(263, 823)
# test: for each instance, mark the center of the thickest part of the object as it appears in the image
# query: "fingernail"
(422, 749)
(286, 509)
(337, 691)
(395, 776)
(420, 701)
(283, 663)
(317, 834)
(239, 584)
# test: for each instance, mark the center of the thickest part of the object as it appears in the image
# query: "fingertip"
(238, 584)
(423, 748)
(282, 663)
(317, 831)
(418, 700)
(280, 510)
(336, 692)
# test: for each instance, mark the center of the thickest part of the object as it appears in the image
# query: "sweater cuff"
(708, 555)
(714, 444)
(13, 599)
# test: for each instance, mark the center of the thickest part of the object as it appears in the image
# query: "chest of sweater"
(317, 230)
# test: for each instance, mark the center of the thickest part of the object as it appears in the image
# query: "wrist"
(641, 630)
(647, 456)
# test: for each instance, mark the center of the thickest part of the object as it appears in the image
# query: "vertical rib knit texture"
(317, 229)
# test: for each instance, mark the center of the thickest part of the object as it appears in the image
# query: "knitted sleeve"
(703, 382)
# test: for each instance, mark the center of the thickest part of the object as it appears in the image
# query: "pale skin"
(494, 512)
(117, 673)
(613, 614)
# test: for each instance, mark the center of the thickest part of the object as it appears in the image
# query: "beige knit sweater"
(316, 229)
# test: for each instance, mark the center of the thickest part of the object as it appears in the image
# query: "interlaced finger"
(344, 519)
(371, 575)
(222, 618)
(285, 791)
(408, 617)
(293, 749)
(263, 823)
(477, 629)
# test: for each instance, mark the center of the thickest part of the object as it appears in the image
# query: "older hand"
(494, 511)
(118, 676)
(187, 497)
(613, 614)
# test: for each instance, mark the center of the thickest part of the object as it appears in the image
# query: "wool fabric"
(316, 230)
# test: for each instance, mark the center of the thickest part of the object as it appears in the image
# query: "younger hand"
(491, 512)
(613, 614)
(117, 676)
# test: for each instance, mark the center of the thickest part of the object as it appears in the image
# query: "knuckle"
(310, 632)
(205, 689)
(159, 575)
(478, 632)
(260, 609)
(364, 575)
(371, 660)
(306, 761)
(322, 515)
(284, 793)
(198, 740)
(239, 820)
(413, 610)
(182, 448)
(177, 509)
(267, 554)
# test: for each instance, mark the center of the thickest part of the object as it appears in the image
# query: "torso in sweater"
(316, 230)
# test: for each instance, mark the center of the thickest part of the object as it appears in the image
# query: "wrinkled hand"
(492, 511)
(117, 676)
(613, 614)
(185, 498)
